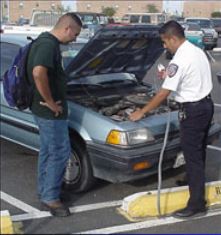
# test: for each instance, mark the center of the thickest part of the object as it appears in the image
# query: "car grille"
(208, 38)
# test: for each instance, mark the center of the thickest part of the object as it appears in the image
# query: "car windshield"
(217, 22)
(202, 23)
(193, 27)
(93, 19)
(69, 52)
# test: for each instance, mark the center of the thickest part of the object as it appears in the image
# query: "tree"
(216, 14)
(60, 8)
(108, 11)
(152, 8)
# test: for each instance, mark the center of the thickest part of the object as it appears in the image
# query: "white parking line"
(210, 56)
(217, 105)
(217, 49)
(17, 203)
(144, 224)
(76, 209)
(214, 147)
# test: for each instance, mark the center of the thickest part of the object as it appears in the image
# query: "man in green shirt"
(49, 108)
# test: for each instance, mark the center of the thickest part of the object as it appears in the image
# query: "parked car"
(92, 21)
(217, 25)
(23, 21)
(145, 18)
(194, 34)
(210, 35)
(105, 85)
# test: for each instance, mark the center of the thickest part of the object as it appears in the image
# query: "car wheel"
(78, 175)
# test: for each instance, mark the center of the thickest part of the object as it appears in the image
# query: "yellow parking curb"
(6, 226)
(141, 205)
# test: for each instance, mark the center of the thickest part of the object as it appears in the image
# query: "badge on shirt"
(171, 70)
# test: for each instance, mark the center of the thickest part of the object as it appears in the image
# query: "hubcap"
(73, 170)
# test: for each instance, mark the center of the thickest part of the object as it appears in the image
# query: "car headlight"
(139, 136)
(215, 34)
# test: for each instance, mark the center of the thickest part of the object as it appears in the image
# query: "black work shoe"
(181, 182)
(59, 211)
(186, 213)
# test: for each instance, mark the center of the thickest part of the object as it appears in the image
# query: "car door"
(17, 126)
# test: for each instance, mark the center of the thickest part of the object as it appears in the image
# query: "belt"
(181, 105)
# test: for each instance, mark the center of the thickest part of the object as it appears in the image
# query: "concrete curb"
(144, 204)
(217, 49)
(6, 226)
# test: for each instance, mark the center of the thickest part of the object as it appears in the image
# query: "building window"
(5, 4)
(52, 6)
(21, 5)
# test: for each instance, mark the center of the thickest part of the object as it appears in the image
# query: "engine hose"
(160, 162)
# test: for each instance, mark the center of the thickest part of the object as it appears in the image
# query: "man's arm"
(41, 81)
(154, 103)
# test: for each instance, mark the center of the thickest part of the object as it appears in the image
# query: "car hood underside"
(131, 49)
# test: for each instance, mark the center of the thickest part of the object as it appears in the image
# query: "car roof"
(197, 18)
(21, 39)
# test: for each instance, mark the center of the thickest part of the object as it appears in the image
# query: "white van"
(144, 18)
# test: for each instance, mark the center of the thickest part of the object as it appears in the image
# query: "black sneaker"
(56, 209)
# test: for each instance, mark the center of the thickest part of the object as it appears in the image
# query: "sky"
(69, 3)
(170, 6)
(173, 6)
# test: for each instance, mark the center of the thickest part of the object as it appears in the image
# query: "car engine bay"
(117, 105)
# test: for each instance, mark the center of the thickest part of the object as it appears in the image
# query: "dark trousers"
(194, 132)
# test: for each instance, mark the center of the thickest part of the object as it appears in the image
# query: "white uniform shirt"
(188, 74)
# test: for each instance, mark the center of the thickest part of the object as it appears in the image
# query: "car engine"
(119, 106)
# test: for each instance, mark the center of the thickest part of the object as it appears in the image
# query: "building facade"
(201, 8)
(121, 7)
(12, 10)
(186, 8)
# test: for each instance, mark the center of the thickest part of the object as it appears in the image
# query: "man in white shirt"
(188, 76)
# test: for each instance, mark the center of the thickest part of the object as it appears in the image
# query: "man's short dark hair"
(75, 17)
(172, 28)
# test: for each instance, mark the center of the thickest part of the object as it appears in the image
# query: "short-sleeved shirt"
(188, 74)
(45, 51)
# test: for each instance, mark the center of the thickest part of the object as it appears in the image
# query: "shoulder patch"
(171, 70)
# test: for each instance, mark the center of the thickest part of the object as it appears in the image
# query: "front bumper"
(115, 164)
(209, 41)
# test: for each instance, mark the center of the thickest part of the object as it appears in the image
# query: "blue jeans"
(54, 153)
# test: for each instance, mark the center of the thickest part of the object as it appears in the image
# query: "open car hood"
(131, 49)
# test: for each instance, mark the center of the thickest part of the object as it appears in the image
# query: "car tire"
(78, 176)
